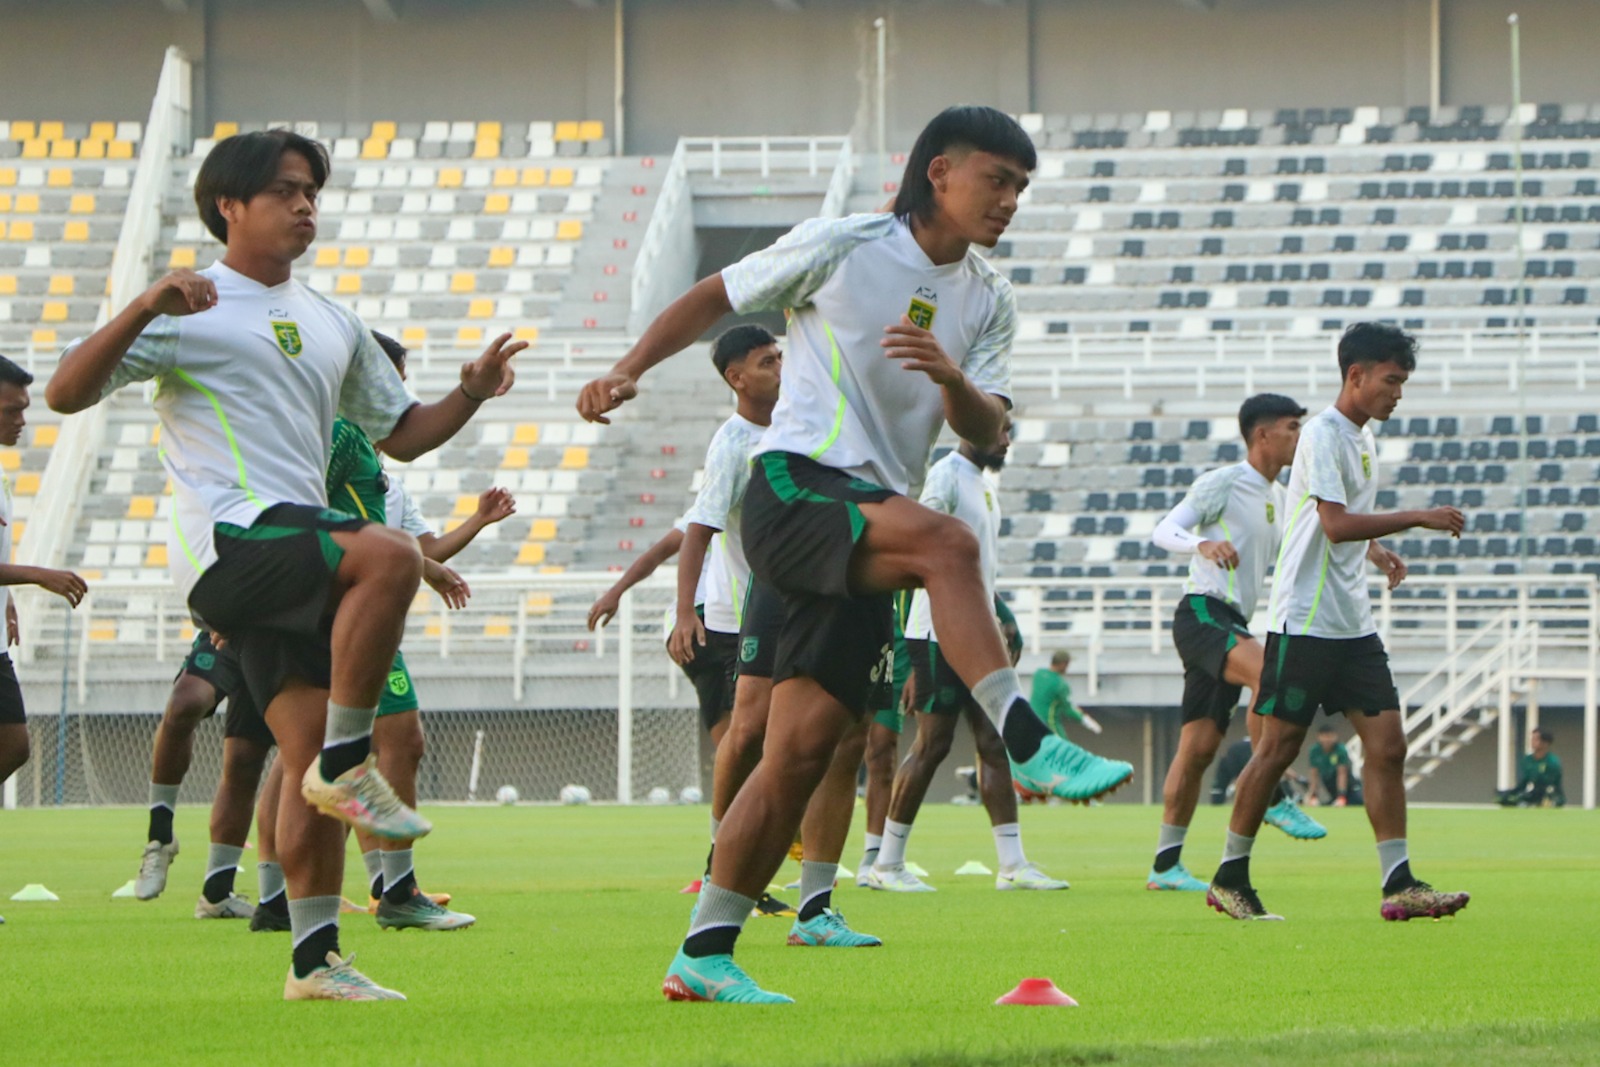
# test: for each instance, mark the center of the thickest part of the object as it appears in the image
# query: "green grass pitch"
(579, 914)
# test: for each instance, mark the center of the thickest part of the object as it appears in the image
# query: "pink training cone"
(691, 889)
(1038, 992)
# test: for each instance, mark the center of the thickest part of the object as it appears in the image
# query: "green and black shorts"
(219, 668)
(1341, 675)
(1205, 630)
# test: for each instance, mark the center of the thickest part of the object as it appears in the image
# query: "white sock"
(874, 842)
(397, 863)
(346, 724)
(1008, 846)
(893, 851)
(996, 692)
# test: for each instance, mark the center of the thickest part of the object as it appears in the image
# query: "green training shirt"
(357, 484)
(1052, 700)
(1327, 764)
(1542, 774)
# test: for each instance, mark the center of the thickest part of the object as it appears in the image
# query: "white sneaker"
(897, 879)
(1028, 876)
(362, 798)
(153, 869)
(232, 907)
(339, 980)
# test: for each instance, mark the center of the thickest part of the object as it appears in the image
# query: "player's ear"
(939, 172)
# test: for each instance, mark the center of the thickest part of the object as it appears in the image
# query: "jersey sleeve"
(342, 463)
(411, 520)
(988, 361)
(1325, 476)
(1208, 497)
(788, 273)
(372, 395)
(727, 474)
(939, 491)
(153, 353)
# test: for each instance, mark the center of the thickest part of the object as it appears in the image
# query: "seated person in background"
(1331, 772)
(1233, 760)
(1538, 776)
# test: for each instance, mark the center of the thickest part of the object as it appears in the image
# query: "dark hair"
(391, 348)
(11, 374)
(1547, 736)
(733, 345)
(1376, 342)
(962, 126)
(241, 166)
(1060, 658)
(1266, 407)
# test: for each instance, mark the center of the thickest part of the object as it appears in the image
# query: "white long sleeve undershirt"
(1173, 533)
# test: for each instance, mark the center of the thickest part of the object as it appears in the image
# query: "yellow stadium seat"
(16, 537)
(102, 630)
(27, 203)
(78, 231)
(466, 505)
(359, 256)
(497, 626)
(5, 201)
(155, 556)
(463, 281)
(24, 131)
(35, 149)
(539, 603)
(496, 204)
(561, 177)
(92, 149)
(52, 131)
(414, 336)
(529, 334)
(327, 257)
(372, 148)
(28, 483)
(542, 530)
(8, 285)
(533, 177)
(155, 436)
(469, 335)
(504, 176)
(10, 459)
(102, 131)
(21, 231)
(383, 130)
(435, 628)
(224, 129)
(43, 338)
(502, 256)
(530, 554)
(488, 129)
(566, 131)
(119, 150)
(186, 631)
(63, 149)
(347, 284)
(142, 507)
(552, 569)
(61, 285)
(569, 230)
(450, 178)
(481, 308)
(82, 204)
(591, 131)
(45, 436)
(575, 458)
(486, 148)
(526, 433)
(515, 459)
(54, 311)
(58, 178)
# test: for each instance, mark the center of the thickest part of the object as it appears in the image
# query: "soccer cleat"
(1239, 903)
(420, 913)
(897, 879)
(1060, 768)
(1176, 877)
(1421, 899)
(714, 979)
(771, 907)
(265, 920)
(1028, 876)
(360, 797)
(829, 930)
(153, 869)
(1287, 816)
(339, 980)
(231, 907)
(441, 899)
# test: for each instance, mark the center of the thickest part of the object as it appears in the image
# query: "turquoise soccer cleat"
(714, 979)
(829, 930)
(1176, 877)
(1288, 816)
(1060, 768)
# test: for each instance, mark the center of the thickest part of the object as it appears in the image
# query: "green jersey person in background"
(1332, 772)
(1538, 776)
(1052, 696)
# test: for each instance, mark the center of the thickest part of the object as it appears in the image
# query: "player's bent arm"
(691, 560)
(442, 547)
(680, 324)
(1174, 532)
(424, 427)
(973, 414)
(1341, 526)
(83, 372)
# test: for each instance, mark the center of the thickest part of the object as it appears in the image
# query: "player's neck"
(941, 245)
(1346, 406)
(267, 270)
(755, 411)
(1263, 466)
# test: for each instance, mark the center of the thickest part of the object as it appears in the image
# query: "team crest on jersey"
(1366, 464)
(748, 648)
(288, 337)
(1272, 514)
(924, 305)
(399, 683)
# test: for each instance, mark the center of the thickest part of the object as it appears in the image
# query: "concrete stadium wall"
(747, 66)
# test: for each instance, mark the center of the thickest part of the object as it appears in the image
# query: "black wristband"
(469, 396)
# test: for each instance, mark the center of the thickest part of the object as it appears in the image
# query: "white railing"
(657, 279)
(551, 369)
(764, 156)
(837, 200)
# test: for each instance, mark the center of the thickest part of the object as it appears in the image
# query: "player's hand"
(918, 350)
(602, 610)
(450, 586)
(908, 694)
(1446, 519)
(13, 627)
(1390, 563)
(686, 636)
(182, 292)
(491, 374)
(63, 584)
(1091, 725)
(606, 394)
(496, 504)
(1222, 553)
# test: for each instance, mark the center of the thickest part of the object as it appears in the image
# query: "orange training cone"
(691, 889)
(1039, 992)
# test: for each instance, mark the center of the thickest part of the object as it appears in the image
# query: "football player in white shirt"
(252, 368)
(897, 326)
(1323, 648)
(1230, 524)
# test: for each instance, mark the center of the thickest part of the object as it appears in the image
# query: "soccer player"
(1052, 696)
(883, 743)
(252, 368)
(1229, 525)
(14, 401)
(1331, 770)
(1538, 776)
(956, 486)
(606, 604)
(1323, 648)
(896, 326)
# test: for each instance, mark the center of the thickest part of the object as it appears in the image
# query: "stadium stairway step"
(598, 290)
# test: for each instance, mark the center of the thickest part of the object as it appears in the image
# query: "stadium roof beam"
(383, 10)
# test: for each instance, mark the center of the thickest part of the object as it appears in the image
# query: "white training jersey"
(725, 576)
(247, 392)
(400, 512)
(956, 486)
(1321, 588)
(1235, 504)
(844, 403)
(7, 516)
